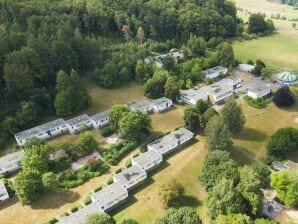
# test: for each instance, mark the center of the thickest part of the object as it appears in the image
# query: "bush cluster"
(72, 179)
(258, 103)
(117, 151)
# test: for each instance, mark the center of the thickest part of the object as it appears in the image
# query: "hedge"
(106, 131)
(117, 151)
(258, 103)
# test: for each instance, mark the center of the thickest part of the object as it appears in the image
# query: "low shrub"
(118, 170)
(59, 165)
(117, 151)
(128, 163)
(72, 179)
(52, 221)
(74, 209)
(110, 180)
(106, 131)
(143, 148)
(98, 188)
(88, 200)
(9, 186)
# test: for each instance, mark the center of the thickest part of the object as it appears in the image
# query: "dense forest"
(47, 45)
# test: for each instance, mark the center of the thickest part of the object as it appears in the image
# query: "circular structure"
(286, 78)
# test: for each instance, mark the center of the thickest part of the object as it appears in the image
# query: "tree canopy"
(182, 215)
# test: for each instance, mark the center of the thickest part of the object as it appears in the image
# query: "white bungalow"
(259, 91)
(11, 162)
(148, 160)
(44, 131)
(130, 177)
(78, 123)
(214, 72)
(161, 104)
(110, 196)
(100, 119)
(171, 142)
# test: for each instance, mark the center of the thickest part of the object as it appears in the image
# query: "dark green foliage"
(134, 125)
(172, 88)
(224, 199)
(207, 115)
(155, 87)
(218, 165)
(283, 97)
(218, 136)
(225, 55)
(171, 194)
(192, 119)
(85, 144)
(202, 106)
(196, 46)
(28, 186)
(71, 96)
(106, 131)
(60, 165)
(36, 158)
(118, 111)
(263, 172)
(87, 199)
(260, 65)
(52, 221)
(8, 185)
(169, 63)
(283, 142)
(27, 114)
(232, 115)
(286, 185)
(258, 25)
(117, 151)
(182, 215)
(73, 179)
(258, 103)
(264, 221)
(99, 218)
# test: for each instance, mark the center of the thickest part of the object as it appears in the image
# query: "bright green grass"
(278, 51)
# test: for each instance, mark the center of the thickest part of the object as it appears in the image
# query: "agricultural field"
(278, 51)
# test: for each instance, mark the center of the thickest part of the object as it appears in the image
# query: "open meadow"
(278, 51)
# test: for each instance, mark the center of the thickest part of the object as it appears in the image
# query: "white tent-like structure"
(286, 78)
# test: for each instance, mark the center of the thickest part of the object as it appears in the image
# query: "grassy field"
(279, 51)
(261, 124)
(103, 99)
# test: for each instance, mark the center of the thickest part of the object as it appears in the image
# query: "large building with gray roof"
(171, 142)
(148, 160)
(78, 123)
(110, 196)
(100, 119)
(11, 162)
(130, 177)
(259, 91)
(3, 192)
(44, 131)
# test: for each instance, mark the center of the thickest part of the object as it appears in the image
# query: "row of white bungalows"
(116, 193)
(3, 193)
(44, 131)
(171, 142)
(215, 93)
(11, 162)
(152, 106)
(214, 72)
(80, 216)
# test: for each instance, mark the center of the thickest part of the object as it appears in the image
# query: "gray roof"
(79, 217)
(39, 129)
(129, 174)
(259, 89)
(78, 120)
(214, 70)
(147, 157)
(171, 138)
(109, 193)
(197, 94)
(141, 105)
(11, 160)
(160, 101)
(101, 115)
